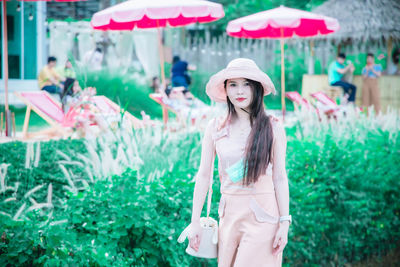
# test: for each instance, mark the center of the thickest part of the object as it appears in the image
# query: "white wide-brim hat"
(237, 68)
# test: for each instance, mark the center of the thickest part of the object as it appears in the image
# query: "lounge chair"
(298, 100)
(51, 111)
(322, 105)
(326, 104)
(167, 107)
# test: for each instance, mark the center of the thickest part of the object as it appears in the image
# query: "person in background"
(370, 89)
(177, 100)
(335, 76)
(49, 80)
(394, 66)
(71, 94)
(67, 71)
(157, 87)
(180, 76)
(94, 58)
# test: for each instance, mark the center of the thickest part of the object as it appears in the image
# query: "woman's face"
(76, 88)
(68, 64)
(239, 92)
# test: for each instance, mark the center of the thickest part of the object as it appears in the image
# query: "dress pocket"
(221, 207)
(261, 214)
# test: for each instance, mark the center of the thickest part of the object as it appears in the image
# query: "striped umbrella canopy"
(158, 14)
(281, 23)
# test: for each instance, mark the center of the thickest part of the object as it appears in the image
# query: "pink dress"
(248, 215)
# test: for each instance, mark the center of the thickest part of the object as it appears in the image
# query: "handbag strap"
(210, 191)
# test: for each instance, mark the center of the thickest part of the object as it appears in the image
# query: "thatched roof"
(363, 20)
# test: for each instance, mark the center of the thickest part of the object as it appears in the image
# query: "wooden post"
(312, 48)
(283, 75)
(26, 122)
(165, 115)
(311, 67)
(1, 124)
(161, 52)
(183, 36)
(13, 124)
(389, 51)
(5, 60)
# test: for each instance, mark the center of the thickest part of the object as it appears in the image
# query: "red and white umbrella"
(5, 52)
(147, 14)
(281, 23)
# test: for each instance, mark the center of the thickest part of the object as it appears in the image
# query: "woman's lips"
(240, 99)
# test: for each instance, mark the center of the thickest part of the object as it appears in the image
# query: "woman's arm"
(377, 73)
(204, 173)
(344, 70)
(191, 67)
(279, 174)
(364, 72)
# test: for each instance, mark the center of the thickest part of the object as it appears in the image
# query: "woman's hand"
(274, 119)
(195, 235)
(281, 238)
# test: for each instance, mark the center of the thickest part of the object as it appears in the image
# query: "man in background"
(335, 76)
(49, 80)
(93, 58)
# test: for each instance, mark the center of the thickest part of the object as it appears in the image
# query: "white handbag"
(209, 237)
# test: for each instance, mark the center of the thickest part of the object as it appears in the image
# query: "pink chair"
(165, 108)
(106, 105)
(323, 105)
(326, 104)
(46, 107)
(51, 111)
(299, 100)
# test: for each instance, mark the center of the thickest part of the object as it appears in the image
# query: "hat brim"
(215, 87)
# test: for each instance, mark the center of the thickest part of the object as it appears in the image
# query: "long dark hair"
(175, 59)
(68, 90)
(68, 87)
(259, 143)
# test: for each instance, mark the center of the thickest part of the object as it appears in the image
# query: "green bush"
(47, 170)
(344, 199)
(129, 223)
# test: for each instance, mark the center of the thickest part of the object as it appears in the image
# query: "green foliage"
(47, 171)
(124, 221)
(342, 194)
(344, 199)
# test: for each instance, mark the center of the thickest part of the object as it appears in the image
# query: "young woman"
(251, 148)
(71, 94)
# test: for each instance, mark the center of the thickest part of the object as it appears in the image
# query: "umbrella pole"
(5, 53)
(283, 78)
(161, 53)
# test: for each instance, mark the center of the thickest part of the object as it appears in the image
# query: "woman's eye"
(232, 85)
(246, 84)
